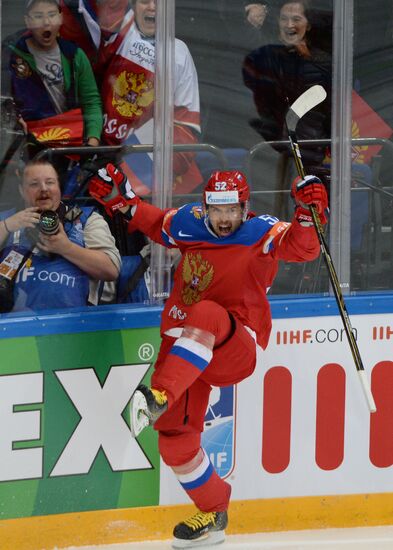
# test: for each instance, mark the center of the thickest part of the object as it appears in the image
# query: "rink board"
(295, 440)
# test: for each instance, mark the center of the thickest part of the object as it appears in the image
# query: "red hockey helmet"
(227, 187)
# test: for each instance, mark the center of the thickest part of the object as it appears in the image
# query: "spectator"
(52, 81)
(124, 38)
(67, 268)
(278, 74)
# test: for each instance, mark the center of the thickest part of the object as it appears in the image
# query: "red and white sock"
(205, 487)
(185, 362)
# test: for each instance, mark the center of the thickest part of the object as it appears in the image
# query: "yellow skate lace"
(159, 396)
(200, 519)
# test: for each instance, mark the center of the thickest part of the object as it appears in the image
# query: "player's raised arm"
(298, 241)
(111, 188)
(307, 192)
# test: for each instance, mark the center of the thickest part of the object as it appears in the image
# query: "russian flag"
(366, 123)
(138, 167)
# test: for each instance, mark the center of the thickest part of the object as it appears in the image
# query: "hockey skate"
(202, 529)
(146, 406)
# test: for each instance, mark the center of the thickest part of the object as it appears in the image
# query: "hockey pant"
(185, 370)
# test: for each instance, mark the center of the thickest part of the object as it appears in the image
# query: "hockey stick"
(307, 101)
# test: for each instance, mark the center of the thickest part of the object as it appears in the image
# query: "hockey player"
(216, 314)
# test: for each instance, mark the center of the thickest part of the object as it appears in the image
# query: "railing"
(121, 150)
(374, 231)
(312, 143)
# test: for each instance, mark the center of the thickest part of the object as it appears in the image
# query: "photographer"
(70, 260)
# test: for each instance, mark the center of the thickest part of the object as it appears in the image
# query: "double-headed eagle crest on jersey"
(132, 92)
(197, 212)
(197, 276)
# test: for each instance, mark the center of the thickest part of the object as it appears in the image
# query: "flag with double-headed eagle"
(366, 123)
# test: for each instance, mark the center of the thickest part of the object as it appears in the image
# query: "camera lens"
(49, 222)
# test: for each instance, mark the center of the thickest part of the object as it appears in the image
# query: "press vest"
(50, 281)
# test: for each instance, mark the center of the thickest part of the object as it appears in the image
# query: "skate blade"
(138, 419)
(211, 539)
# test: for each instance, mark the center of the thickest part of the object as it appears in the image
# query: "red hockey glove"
(309, 191)
(111, 188)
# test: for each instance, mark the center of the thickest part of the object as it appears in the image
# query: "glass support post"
(163, 141)
(340, 189)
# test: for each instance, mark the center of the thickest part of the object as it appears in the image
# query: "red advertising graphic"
(381, 427)
(329, 443)
(276, 439)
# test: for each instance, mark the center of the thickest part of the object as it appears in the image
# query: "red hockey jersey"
(234, 271)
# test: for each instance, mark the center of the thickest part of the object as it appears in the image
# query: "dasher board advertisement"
(301, 423)
(298, 427)
(65, 443)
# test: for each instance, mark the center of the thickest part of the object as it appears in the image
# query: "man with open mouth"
(51, 76)
(216, 313)
(121, 37)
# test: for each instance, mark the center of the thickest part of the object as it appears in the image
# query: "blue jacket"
(31, 96)
(51, 282)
